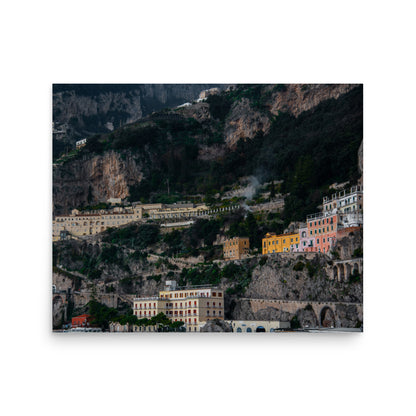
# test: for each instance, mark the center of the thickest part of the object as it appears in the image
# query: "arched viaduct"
(328, 314)
(341, 270)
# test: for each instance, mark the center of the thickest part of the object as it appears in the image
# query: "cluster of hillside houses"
(341, 214)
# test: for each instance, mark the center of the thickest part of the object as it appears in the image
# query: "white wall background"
(235, 41)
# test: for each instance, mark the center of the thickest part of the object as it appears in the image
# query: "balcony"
(319, 216)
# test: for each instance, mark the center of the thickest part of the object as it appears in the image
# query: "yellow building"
(282, 243)
(193, 306)
(235, 248)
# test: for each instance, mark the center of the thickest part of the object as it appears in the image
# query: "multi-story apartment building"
(235, 248)
(346, 201)
(93, 222)
(193, 306)
(323, 228)
(282, 243)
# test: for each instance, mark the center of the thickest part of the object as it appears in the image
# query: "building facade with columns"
(193, 306)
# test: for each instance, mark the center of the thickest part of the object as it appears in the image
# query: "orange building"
(282, 243)
(235, 248)
(323, 228)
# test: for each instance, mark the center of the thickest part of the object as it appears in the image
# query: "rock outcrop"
(92, 180)
(297, 98)
(217, 325)
(277, 279)
(244, 122)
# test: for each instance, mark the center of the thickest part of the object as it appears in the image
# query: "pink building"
(306, 241)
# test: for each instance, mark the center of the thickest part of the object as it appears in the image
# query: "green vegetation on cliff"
(308, 152)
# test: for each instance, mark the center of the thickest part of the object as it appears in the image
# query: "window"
(219, 294)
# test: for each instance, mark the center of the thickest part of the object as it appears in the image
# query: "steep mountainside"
(209, 146)
(87, 109)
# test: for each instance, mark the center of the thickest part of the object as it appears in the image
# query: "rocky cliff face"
(277, 279)
(298, 98)
(244, 122)
(92, 180)
(361, 163)
(346, 246)
(89, 109)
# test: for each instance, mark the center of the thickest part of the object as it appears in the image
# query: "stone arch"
(347, 267)
(239, 329)
(249, 329)
(327, 317)
(356, 268)
(307, 317)
(260, 329)
(341, 272)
